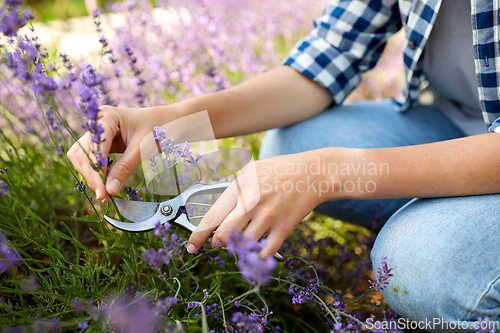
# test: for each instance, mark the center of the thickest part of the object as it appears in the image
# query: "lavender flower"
(192, 305)
(90, 109)
(105, 50)
(80, 187)
(78, 305)
(137, 73)
(303, 294)
(3, 187)
(134, 193)
(83, 325)
(175, 151)
(382, 279)
(45, 326)
(8, 257)
(28, 15)
(251, 323)
(132, 315)
(205, 294)
(211, 256)
(172, 244)
(213, 310)
(11, 20)
(164, 305)
(250, 264)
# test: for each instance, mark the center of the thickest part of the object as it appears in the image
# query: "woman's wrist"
(347, 173)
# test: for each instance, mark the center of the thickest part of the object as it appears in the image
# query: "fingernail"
(115, 185)
(98, 194)
(191, 248)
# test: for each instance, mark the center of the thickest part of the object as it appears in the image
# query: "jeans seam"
(483, 296)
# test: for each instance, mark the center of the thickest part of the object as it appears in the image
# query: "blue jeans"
(446, 251)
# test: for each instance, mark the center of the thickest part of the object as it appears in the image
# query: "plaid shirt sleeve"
(495, 127)
(347, 40)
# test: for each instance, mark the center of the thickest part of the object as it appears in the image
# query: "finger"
(79, 155)
(123, 168)
(274, 241)
(231, 222)
(86, 148)
(256, 229)
(213, 218)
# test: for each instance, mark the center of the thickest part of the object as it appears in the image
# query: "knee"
(435, 271)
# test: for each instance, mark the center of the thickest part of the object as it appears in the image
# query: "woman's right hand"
(124, 129)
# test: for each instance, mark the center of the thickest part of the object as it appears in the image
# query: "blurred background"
(49, 10)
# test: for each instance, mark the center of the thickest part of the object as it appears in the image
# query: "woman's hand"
(124, 130)
(269, 196)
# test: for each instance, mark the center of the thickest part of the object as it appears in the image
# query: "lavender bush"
(62, 268)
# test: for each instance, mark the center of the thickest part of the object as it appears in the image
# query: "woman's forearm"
(466, 166)
(277, 98)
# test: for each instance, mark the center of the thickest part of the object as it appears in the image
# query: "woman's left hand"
(269, 196)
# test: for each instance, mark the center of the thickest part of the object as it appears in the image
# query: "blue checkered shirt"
(351, 35)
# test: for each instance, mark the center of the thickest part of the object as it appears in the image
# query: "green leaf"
(84, 220)
(121, 284)
(204, 324)
(97, 234)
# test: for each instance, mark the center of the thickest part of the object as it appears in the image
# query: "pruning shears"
(145, 215)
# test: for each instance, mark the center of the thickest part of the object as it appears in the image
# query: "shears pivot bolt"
(166, 210)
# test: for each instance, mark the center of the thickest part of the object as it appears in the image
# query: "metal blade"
(137, 211)
(131, 227)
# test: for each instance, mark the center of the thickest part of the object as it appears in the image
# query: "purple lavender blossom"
(59, 151)
(211, 256)
(129, 315)
(192, 305)
(383, 275)
(250, 264)
(45, 326)
(83, 325)
(105, 50)
(3, 172)
(134, 193)
(90, 109)
(28, 15)
(251, 323)
(140, 95)
(213, 310)
(80, 187)
(176, 151)
(78, 305)
(172, 247)
(302, 294)
(3, 187)
(205, 294)
(8, 257)
(164, 305)
(11, 19)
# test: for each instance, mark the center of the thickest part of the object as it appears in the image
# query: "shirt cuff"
(495, 127)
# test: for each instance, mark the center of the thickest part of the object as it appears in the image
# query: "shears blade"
(137, 211)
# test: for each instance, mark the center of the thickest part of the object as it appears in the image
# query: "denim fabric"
(445, 252)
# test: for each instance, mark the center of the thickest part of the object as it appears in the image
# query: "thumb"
(122, 169)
